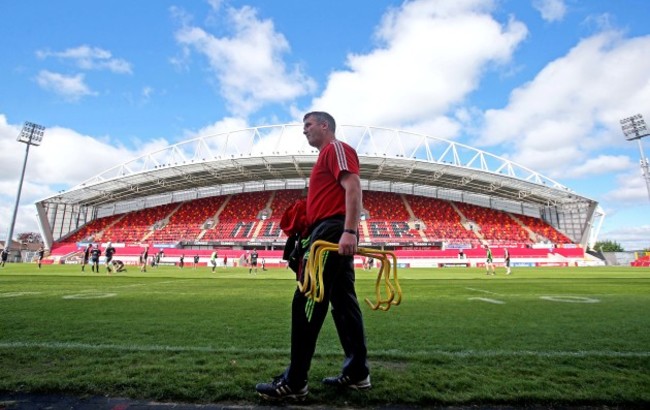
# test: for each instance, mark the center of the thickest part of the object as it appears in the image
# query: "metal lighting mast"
(634, 128)
(31, 134)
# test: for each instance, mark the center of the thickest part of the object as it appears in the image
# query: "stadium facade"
(278, 157)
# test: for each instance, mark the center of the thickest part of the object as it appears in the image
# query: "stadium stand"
(283, 200)
(441, 221)
(390, 218)
(239, 217)
(269, 228)
(642, 262)
(543, 229)
(386, 218)
(385, 206)
(136, 226)
(187, 223)
(399, 222)
(64, 249)
(94, 228)
(496, 227)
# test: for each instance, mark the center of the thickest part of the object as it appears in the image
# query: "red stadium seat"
(390, 218)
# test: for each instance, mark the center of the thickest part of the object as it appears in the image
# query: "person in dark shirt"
(159, 256)
(95, 253)
(4, 256)
(41, 255)
(181, 261)
(118, 266)
(109, 252)
(86, 256)
(253, 264)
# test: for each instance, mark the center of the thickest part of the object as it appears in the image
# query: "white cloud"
(603, 164)
(215, 4)
(551, 10)
(64, 159)
(26, 219)
(65, 156)
(630, 188)
(221, 126)
(248, 65)
(573, 106)
(431, 55)
(631, 238)
(72, 88)
(146, 93)
(90, 58)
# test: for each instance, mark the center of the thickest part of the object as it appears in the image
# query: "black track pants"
(307, 316)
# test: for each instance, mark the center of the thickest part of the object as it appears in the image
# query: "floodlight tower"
(31, 134)
(634, 128)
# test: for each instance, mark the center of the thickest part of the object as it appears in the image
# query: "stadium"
(427, 198)
(555, 333)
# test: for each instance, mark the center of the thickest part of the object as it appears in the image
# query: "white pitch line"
(484, 291)
(494, 301)
(108, 288)
(17, 294)
(149, 284)
(390, 353)
(172, 281)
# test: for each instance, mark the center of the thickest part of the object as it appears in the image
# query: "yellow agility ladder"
(312, 283)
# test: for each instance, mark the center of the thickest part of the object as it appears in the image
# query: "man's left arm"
(353, 195)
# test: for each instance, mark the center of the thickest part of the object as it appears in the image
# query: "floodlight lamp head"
(634, 127)
(31, 134)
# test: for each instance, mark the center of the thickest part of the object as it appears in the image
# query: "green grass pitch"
(542, 336)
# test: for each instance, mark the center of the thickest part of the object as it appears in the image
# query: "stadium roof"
(280, 153)
(278, 157)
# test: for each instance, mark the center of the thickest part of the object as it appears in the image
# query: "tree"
(29, 237)
(608, 246)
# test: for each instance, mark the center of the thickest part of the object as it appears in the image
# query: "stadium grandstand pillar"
(31, 134)
(634, 128)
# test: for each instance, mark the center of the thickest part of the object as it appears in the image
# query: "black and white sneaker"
(280, 389)
(346, 381)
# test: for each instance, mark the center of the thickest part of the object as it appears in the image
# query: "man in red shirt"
(333, 212)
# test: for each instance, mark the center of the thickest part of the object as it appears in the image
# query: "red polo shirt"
(326, 196)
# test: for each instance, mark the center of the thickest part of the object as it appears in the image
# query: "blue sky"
(541, 82)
